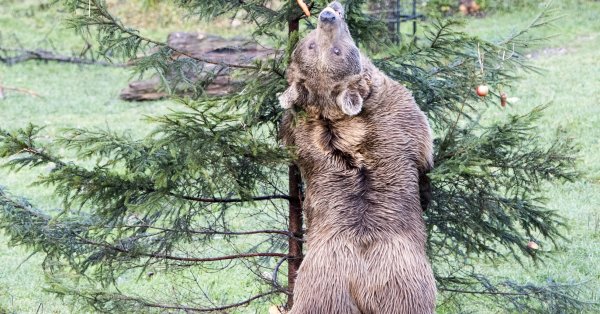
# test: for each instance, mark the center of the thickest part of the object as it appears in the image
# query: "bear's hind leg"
(322, 285)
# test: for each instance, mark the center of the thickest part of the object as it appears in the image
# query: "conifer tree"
(208, 204)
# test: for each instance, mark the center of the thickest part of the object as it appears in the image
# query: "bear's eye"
(336, 51)
(311, 46)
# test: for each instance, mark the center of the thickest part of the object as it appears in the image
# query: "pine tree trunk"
(295, 212)
(295, 227)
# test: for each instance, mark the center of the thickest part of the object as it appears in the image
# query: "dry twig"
(18, 90)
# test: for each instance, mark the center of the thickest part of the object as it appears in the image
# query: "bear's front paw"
(288, 97)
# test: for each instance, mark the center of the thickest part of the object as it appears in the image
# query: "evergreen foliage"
(207, 190)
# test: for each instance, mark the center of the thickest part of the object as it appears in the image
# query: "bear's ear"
(289, 97)
(350, 102)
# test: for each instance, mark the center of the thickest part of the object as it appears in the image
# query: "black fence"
(397, 14)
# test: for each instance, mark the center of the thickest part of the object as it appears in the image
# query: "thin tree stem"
(232, 200)
(213, 232)
(295, 209)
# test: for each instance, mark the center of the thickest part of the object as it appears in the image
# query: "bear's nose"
(327, 16)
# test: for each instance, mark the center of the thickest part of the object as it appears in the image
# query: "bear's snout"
(327, 16)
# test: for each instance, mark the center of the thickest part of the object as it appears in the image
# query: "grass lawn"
(87, 96)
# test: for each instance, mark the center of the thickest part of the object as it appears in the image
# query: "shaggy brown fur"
(362, 145)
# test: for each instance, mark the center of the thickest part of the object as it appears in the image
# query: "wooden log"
(203, 46)
(14, 56)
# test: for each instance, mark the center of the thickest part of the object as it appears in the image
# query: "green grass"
(570, 83)
(87, 96)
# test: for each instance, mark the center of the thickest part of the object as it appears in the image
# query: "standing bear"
(363, 148)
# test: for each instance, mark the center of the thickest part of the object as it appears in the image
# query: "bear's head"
(324, 65)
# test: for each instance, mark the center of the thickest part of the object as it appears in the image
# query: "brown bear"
(363, 147)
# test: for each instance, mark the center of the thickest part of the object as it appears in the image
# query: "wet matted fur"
(363, 147)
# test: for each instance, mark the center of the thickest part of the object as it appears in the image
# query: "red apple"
(482, 90)
(532, 245)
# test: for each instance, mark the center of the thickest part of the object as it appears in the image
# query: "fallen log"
(214, 76)
(24, 55)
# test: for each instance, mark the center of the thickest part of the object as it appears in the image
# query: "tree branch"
(282, 232)
(180, 258)
(262, 7)
(194, 309)
(232, 200)
(484, 292)
(44, 55)
(276, 273)
(111, 20)
(36, 152)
